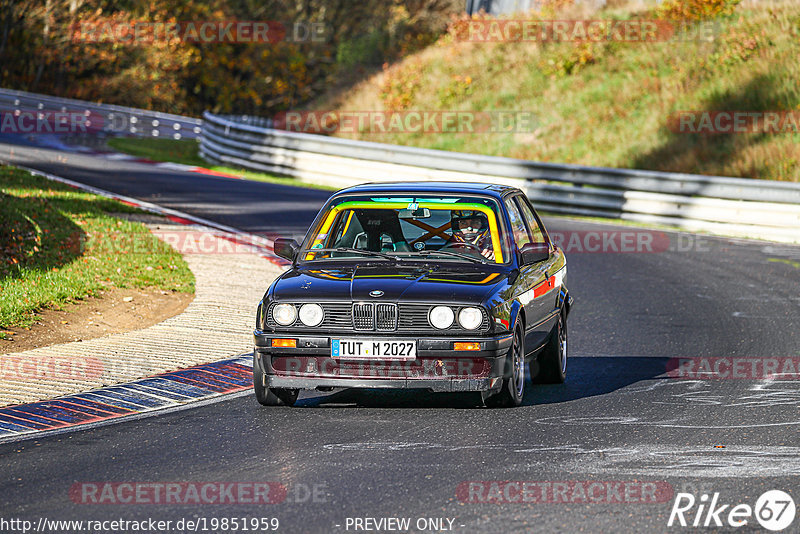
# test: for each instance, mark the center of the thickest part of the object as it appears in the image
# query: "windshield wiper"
(356, 250)
(427, 253)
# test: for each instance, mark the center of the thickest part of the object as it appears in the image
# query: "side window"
(533, 225)
(348, 231)
(518, 229)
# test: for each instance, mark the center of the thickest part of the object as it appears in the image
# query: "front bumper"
(437, 367)
(438, 385)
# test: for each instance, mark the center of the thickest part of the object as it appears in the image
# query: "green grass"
(159, 149)
(58, 244)
(604, 104)
(795, 264)
(186, 151)
(613, 109)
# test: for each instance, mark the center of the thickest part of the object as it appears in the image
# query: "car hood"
(411, 284)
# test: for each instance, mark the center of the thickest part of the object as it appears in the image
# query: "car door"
(530, 277)
(547, 288)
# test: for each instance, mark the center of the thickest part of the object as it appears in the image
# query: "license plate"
(369, 349)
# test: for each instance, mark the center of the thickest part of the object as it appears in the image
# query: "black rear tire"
(552, 361)
(271, 396)
(513, 388)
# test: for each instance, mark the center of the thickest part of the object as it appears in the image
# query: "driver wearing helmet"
(471, 227)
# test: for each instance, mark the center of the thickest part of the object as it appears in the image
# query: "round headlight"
(284, 314)
(441, 317)
(470, 318)
(311, 314)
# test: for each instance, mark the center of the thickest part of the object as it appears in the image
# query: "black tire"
(271, 396)
(513, 388)
(552, 361)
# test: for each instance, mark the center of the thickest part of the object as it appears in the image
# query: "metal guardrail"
(728, 206)
(114, 120)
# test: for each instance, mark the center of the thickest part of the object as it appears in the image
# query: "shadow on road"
(586, 377)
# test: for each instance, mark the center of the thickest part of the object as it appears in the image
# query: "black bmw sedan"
(439, 286)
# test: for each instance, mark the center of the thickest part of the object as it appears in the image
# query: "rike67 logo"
(774, 510)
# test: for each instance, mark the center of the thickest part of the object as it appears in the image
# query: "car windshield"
(401, 227)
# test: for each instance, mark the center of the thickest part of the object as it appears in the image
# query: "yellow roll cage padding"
(493, 230)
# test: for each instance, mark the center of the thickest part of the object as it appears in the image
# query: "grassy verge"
(58, 244)
(159, 149)
(610, 103)
(185, 151)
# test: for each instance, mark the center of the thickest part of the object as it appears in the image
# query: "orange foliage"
(48, 51)
(694, 10)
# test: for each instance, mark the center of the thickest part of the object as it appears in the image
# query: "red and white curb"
(118, 156)
(187, 387)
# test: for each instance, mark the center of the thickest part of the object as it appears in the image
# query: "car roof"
(494, 190)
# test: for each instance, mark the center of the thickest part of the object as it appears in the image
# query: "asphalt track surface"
(404, 454)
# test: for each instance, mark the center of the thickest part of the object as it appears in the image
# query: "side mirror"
(286, 248)
(534, 253)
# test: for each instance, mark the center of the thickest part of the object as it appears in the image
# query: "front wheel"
(553, 358)
(271, 396)
(513, 386)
